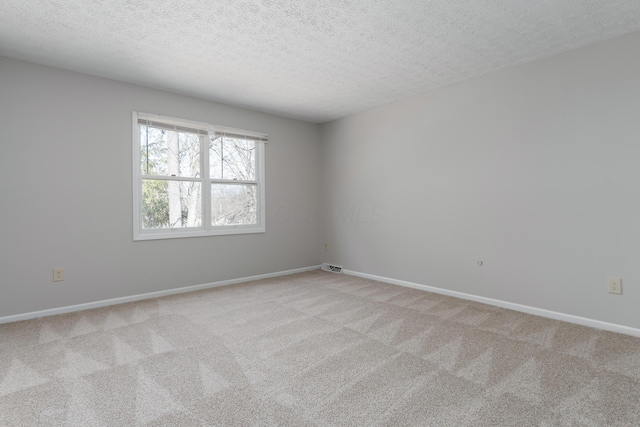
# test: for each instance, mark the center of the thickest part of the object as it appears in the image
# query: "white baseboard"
(504, 304)
(122, 300)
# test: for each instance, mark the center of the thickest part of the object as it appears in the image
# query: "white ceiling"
(315, 60)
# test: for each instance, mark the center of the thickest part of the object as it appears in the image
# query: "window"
(195, 179)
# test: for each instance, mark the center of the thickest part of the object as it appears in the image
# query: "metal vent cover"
(332, 268)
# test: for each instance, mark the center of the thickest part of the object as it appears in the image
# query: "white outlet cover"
(614, 285)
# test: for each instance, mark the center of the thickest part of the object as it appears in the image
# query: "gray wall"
(534, 170)
(66, 191)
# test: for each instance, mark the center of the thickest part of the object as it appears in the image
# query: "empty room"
(338, 213)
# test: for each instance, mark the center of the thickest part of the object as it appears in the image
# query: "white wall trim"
(505, 304)
(158, 294)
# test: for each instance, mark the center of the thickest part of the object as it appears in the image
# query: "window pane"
(169, 153)
(171, 204)
(233, 159)
(233, 204)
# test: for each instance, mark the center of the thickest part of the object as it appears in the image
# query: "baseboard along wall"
(158, 294)
(505, 304)
(498, 303)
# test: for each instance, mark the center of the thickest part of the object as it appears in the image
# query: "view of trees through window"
(172, 180)
(232, 165)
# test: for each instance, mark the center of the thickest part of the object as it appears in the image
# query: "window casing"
(195, 179)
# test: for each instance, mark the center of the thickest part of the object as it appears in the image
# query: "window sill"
(182, 234)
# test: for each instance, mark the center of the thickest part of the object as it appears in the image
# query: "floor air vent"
(332, 268)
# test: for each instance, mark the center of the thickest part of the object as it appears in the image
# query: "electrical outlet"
(58, 274)
(615, 285)
(326, 246)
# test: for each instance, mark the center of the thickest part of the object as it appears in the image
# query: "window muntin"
(180, 193)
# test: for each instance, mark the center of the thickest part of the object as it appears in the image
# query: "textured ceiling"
(314, 60)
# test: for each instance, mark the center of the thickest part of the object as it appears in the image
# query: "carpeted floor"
(314, 349)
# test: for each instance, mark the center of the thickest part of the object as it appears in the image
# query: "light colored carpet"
(314, 349)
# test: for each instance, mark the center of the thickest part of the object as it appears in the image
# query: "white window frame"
(206, 229)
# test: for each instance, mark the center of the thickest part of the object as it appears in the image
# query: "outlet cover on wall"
(614, 285)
